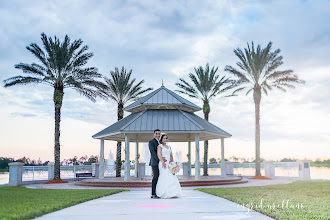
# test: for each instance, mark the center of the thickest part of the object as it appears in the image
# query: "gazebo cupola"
(162, 98)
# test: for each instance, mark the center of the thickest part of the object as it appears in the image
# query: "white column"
(223, 163)
(15, 173)
(269, 168)
(189, 158)
(50, 170)
(197, 163)
(126, 164)
(95, 170)
(304, 169)
(229, 168)
(102, 164)
(189, 151)
(136, 158)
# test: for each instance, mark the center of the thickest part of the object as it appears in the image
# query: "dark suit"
(154, 160)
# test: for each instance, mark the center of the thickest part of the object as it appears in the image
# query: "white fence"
(288, 169)
(34, 173)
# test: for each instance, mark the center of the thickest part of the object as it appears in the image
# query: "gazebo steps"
(146, 182)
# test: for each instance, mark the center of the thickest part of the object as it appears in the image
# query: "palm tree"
(258, 73)
(205, 87)
(122, 90)
(61, 66)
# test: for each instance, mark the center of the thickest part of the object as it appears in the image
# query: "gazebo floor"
(146, 181)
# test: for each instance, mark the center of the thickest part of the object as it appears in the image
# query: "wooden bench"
(79, 175)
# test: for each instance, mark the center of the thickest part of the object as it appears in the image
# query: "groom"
(154, 160)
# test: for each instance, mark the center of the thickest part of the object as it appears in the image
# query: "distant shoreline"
(311, 164)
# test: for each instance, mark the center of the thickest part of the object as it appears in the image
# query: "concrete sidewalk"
(138, 205)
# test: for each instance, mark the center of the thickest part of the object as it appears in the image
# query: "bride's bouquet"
(174, 167)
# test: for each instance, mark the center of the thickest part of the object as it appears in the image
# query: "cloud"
(14, 114)
(166, 40)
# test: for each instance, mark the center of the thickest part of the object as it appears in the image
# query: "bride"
(168, 185)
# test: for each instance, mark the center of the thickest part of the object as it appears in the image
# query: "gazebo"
(173, 115)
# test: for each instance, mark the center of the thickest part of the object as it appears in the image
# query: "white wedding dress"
(168, 185)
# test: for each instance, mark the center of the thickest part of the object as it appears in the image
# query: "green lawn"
(302, 200)
(320, 165)
(23, 203)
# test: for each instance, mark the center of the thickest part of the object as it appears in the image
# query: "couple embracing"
(164, 184)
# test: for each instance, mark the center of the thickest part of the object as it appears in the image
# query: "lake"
(316, 173)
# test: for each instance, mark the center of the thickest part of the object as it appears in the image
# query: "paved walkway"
(138, 205)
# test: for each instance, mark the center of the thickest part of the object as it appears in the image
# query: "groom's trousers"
(155, 171)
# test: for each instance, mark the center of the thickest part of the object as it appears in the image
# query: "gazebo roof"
(167, 111)
(162, 98)
(181, 126)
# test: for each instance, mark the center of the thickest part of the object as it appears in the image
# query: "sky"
(165, 40)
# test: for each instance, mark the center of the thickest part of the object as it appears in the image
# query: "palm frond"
(122, 88)
(205, 84)
(61, 66)
(22, 80)
(33, 69)
(242, 77)
(186, 93)
(278, 74)
(249, 91)
(185, 86)
(259, 67)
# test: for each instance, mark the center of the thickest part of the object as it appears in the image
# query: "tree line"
(85, 160)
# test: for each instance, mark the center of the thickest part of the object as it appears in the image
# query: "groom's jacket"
(154, 160)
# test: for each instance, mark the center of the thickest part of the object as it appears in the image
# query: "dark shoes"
(155, 197)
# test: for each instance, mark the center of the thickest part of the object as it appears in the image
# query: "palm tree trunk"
(57, 98)
(257, 99)
(120, 115)
(206, 110)
(206, 151)
(118, 160)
